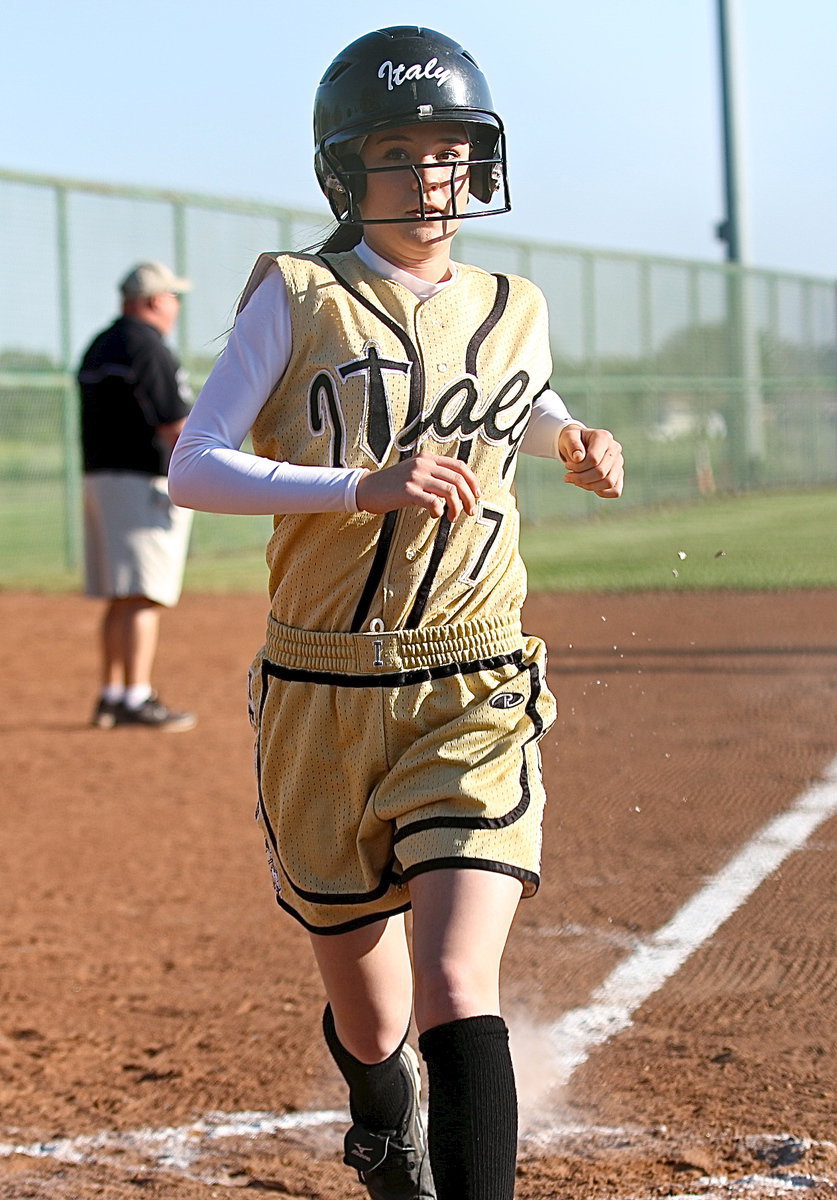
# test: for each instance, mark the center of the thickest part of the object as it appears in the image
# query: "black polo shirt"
(130, 384)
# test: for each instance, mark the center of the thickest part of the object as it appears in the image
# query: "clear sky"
(612, 108)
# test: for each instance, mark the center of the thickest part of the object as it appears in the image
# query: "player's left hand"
(593, 459)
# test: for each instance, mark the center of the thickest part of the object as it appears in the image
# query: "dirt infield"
(159, 1015)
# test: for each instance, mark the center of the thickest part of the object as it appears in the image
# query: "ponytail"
(344, 236)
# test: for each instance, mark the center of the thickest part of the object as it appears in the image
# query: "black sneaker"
(393, 1163)
(106, 713)
(153, 714)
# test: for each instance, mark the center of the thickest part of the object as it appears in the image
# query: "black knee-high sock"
(378, 1093)
(472, 1108)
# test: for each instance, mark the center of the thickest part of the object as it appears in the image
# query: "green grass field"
(762, 542)
(767, 541)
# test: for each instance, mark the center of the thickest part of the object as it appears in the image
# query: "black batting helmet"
(404, 75)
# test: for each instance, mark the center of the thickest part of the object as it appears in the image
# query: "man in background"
(134, 401)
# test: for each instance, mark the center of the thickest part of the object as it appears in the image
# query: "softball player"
(397, 704)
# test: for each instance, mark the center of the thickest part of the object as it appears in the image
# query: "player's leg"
(368, 980)
(128, 638)
(142, 636)
(113, 646)
(130, 634)
(461, 920)
(112, 659)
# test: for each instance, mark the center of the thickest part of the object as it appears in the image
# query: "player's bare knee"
(448, 990)
(372, 1045)
(369, 1037)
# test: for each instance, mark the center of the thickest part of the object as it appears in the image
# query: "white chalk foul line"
(180, 1149)
(175, 1147)
(633, 981)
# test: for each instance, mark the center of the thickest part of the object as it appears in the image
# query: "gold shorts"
(383, 755)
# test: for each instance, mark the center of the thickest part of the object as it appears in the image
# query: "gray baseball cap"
(152, 279)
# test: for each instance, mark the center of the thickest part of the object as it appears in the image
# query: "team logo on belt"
(506, 700)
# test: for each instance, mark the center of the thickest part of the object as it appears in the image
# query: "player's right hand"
(444, 486)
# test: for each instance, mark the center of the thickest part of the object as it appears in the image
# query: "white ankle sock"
(137, 694)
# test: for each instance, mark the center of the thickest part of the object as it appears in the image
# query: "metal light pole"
(734, 231)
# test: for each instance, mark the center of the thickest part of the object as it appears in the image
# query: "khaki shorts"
(135, 539)
(383, 755)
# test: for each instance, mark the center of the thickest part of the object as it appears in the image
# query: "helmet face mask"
(404, 76)
(348, 175)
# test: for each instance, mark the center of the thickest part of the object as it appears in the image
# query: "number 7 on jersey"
(493, 518)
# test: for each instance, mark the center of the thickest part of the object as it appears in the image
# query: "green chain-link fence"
(716, 379)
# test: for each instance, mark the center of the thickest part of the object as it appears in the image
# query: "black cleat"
(106, 714)
(393, 1164)
(153, 714)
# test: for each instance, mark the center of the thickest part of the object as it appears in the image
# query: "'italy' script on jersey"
(376, 375)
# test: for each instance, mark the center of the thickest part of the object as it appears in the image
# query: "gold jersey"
(376, 375)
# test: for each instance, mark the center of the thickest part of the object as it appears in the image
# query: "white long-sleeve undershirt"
(208, 469)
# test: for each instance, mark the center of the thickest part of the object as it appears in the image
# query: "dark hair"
(342, 237)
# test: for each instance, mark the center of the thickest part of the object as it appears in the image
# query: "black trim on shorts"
(514, 814)
(397, 679)
(475, 864)
(436, 864)
(391, 678)
(519, 809)
(389, 879)
(387, 876)
(345, 926)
